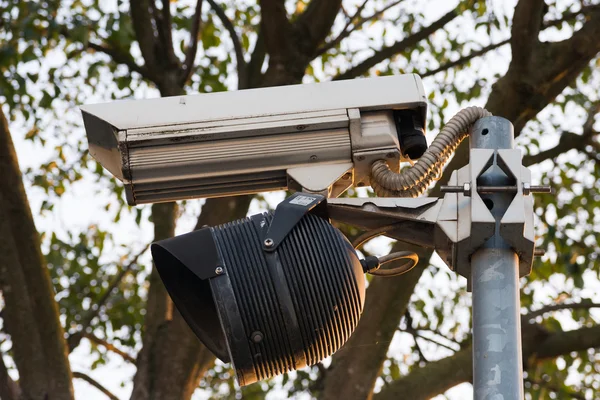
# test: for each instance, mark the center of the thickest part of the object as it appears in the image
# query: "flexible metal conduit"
(413, 181)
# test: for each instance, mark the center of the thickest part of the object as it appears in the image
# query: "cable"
(411, 257)
(414, 180)
(371, 264)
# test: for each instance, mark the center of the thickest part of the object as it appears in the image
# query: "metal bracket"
(288, 213)
(516, 225)
(460, 223)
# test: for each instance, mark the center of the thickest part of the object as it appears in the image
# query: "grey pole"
(497, 357)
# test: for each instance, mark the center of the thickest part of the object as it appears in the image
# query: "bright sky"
(83, 206)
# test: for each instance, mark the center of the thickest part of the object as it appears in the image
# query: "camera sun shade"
(270, 293)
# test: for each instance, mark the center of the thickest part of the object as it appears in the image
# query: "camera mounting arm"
(461, 222)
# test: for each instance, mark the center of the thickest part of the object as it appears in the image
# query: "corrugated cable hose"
(414, 180)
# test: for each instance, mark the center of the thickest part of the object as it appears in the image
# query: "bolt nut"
(467, 189)
(256, 337)
(219, 270)
(269, 242)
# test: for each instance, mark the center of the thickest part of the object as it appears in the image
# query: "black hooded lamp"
(270, 293)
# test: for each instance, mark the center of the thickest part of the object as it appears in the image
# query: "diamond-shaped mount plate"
(472, 224)
(465, 223)
(516, 225)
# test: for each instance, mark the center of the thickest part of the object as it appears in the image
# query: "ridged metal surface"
(323, 277)
(194, 188)
(247, 268)
(264, 147)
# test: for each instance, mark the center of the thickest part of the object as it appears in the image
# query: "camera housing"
(320, 138)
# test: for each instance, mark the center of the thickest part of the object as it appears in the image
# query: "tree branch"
(315, 23)
(437, 342)
(166, 35)
(109, 346)
(557, 307)
(95, 384)
(527, 22)
(145, 34)
(120, 58)
(257, 59)
(555, 389)
(19, 320)
(410, 330)
(9, 389)
(493, 46)
(355, 26)
(115, 54)
(439, 376)
(569, 140)
(34, 285)
(356, 366)
(276, 29)
(74, 339)
(159, 308)
(398, 47)
(192, 49)
(465, 59)
(237, 45)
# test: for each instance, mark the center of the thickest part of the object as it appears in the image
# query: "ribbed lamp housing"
(297, 304)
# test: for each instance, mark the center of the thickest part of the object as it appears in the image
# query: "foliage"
(56, 55)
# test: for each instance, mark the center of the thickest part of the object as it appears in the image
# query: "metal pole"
(497, 357)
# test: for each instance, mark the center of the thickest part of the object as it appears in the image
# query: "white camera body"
(318, 137)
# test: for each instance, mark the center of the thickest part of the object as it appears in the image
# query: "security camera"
(318, 138)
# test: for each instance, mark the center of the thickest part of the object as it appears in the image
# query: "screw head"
(300, 127)
(360, 158)
(269, 242)
(256, 337)
(390, 155)
(219, 270)
(313, 158)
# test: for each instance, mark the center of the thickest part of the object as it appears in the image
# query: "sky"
(83, 206)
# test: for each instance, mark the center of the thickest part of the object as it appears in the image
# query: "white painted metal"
(230, 143)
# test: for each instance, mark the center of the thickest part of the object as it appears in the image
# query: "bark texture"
(532, 82)
(32, 316)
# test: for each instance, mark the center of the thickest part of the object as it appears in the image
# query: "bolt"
(256, 337)
(269, 242)
(219, 270)
(528, 189)
(539, 253)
